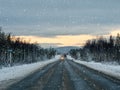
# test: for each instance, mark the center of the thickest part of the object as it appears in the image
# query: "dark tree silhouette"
(21, 51)
(100, 50)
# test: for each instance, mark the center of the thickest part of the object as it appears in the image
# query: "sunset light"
(115, 32)
(59, 44)
(65, 40)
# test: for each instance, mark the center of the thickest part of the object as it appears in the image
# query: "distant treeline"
(101, 49)
(16, 51)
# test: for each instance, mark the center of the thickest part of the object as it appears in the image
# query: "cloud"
(61, 40)
(53, 31)
(60, 20)
(25, 14)
(65, 40)
(115, 32)
(45, 45)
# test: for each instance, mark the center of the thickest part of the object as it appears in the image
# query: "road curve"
(66, 75)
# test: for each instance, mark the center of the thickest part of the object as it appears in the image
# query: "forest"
(100, 50)
(18, 51)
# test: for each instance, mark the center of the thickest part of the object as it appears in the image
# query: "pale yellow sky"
(64, 40)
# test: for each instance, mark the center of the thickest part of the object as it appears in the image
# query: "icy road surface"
(10, 75)
(66, 75)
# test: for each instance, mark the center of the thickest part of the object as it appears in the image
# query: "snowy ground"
(17, 72)
(108, 69)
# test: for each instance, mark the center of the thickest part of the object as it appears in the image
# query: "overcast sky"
(50, 18)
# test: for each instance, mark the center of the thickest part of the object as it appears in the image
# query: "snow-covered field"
(106, 68)
(22, 71)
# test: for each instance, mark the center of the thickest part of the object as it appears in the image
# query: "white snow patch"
(22, 71)
(69, 57)
(111, 70)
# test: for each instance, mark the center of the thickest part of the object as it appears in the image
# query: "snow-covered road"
(66, 75)
(21, 71)
(67, 70)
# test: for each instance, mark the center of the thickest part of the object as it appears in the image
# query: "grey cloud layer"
(54, 15)
(53, 31)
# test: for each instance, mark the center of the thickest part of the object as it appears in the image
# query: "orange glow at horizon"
(115, 32)
(64, 40)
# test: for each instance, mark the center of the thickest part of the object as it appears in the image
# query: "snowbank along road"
(66, 75)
